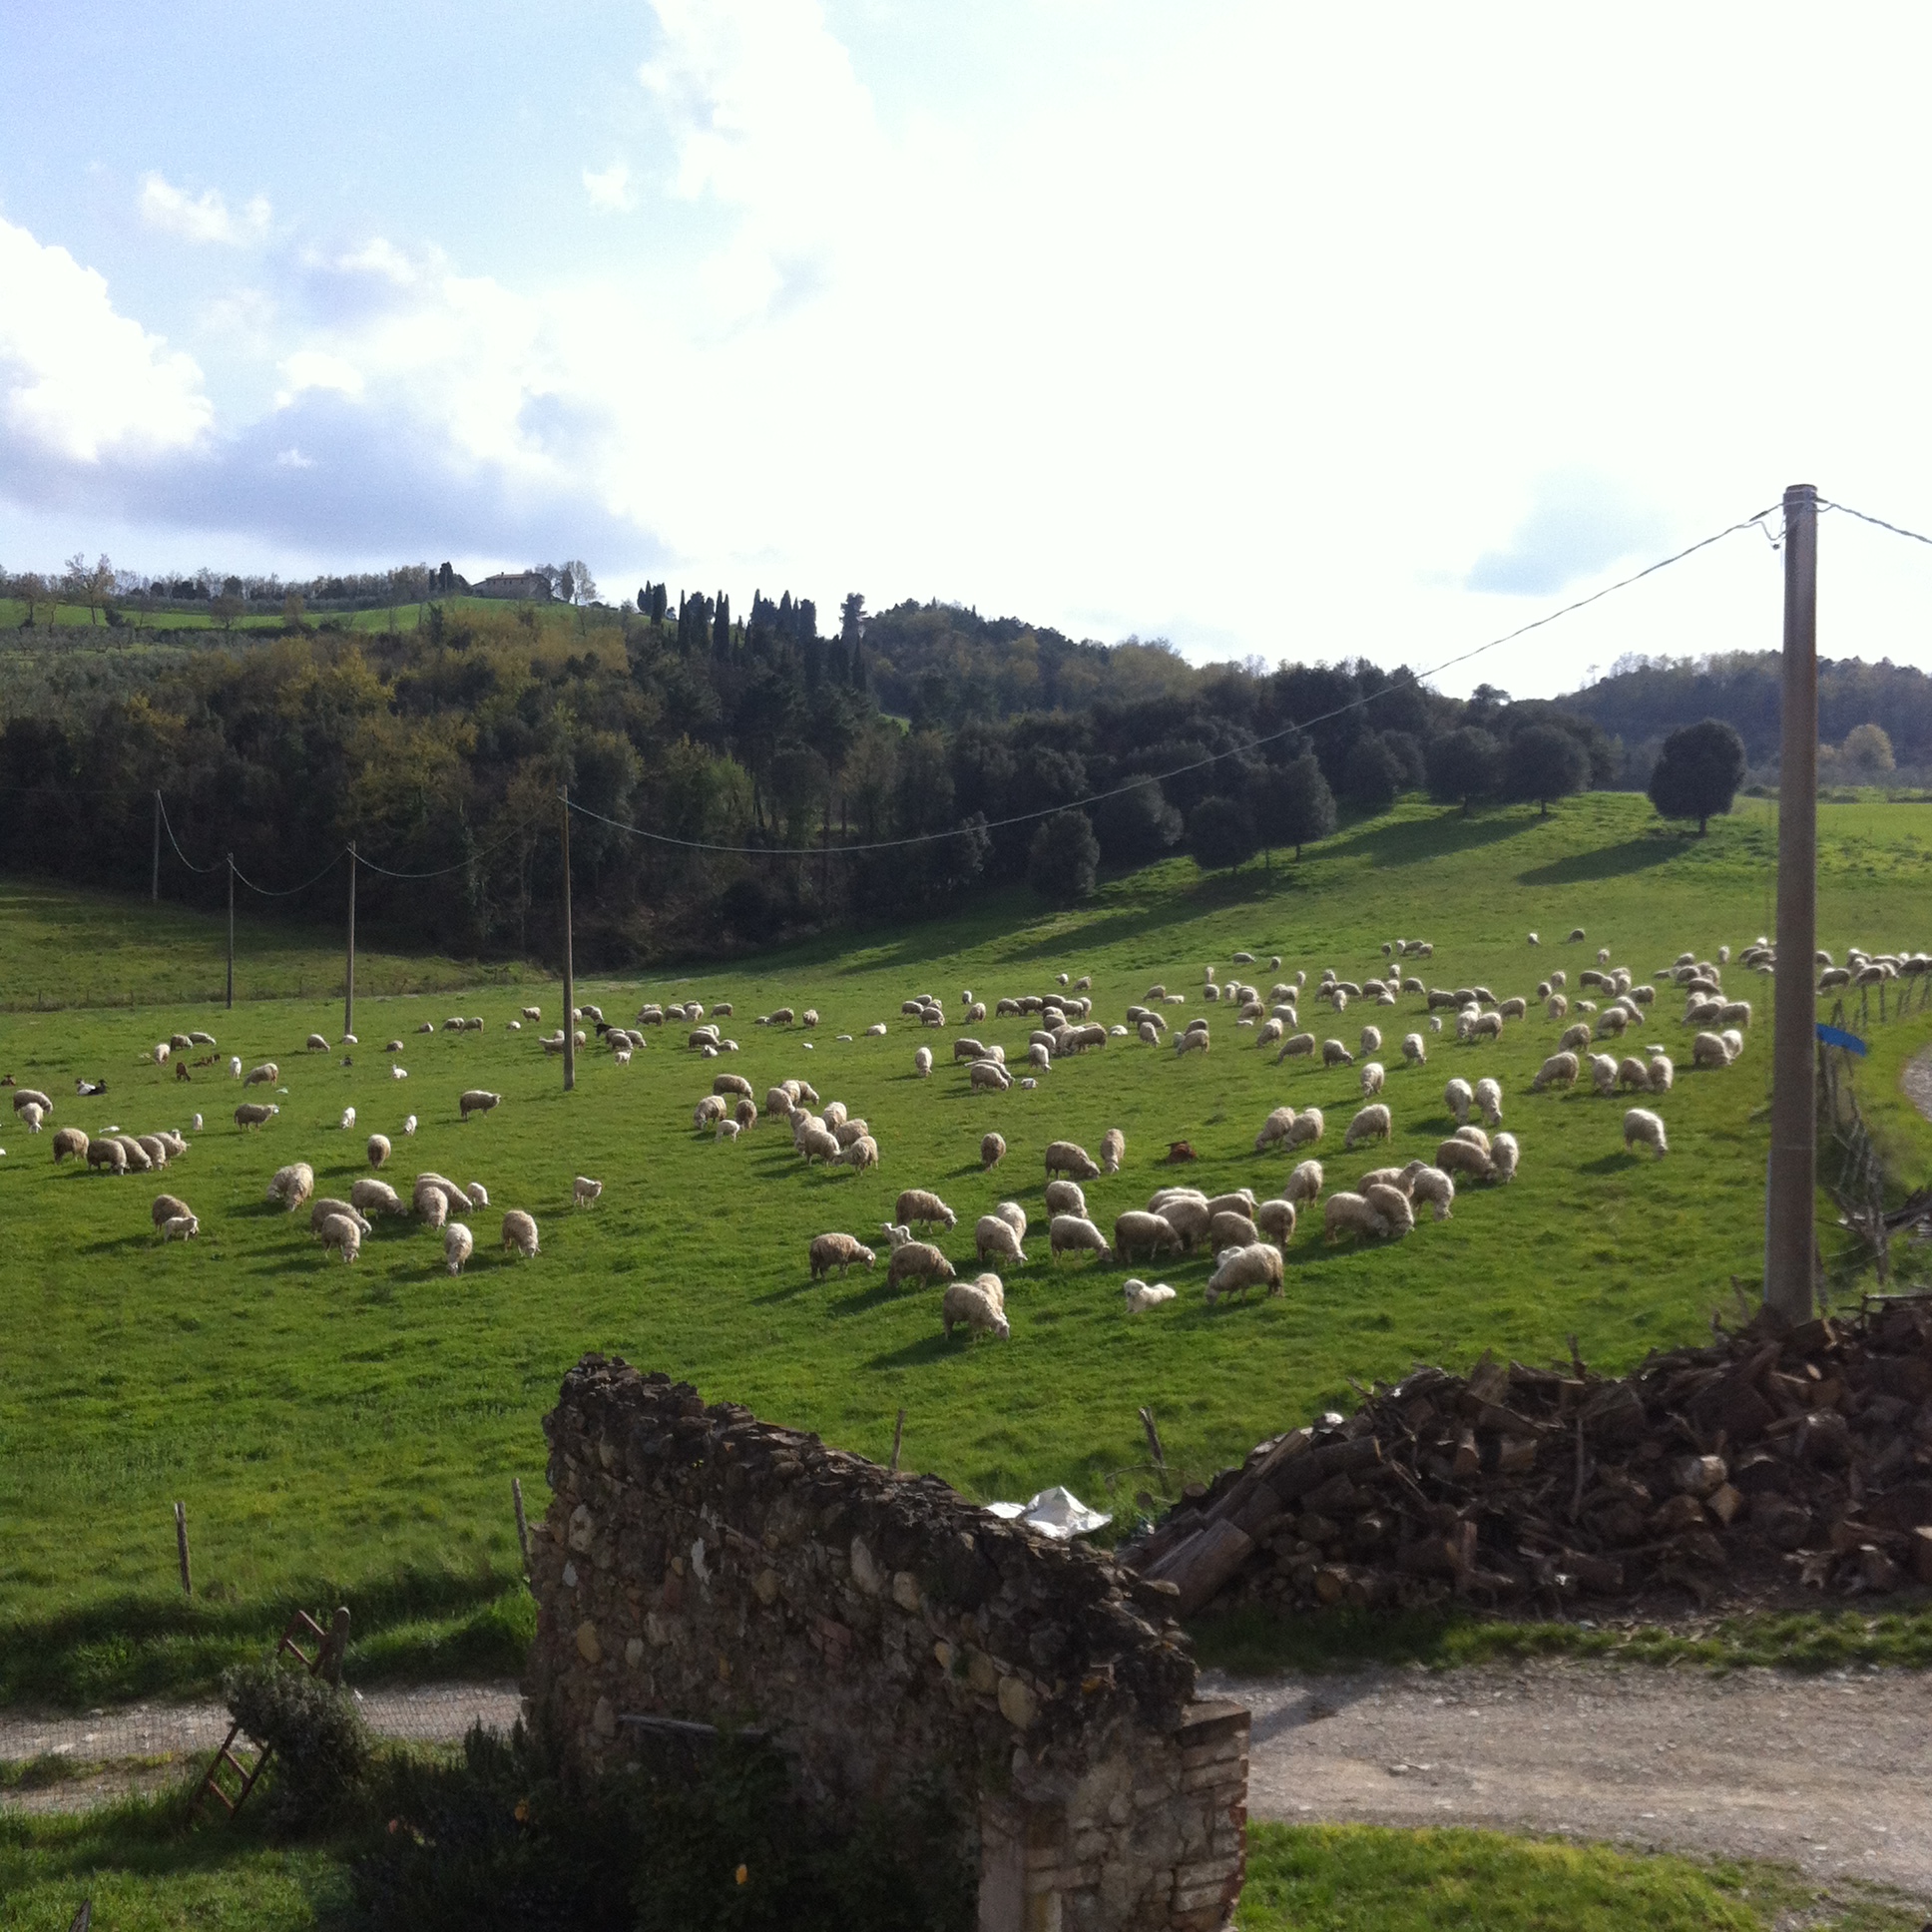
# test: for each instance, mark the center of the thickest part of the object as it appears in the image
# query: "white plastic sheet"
(1054, 1512)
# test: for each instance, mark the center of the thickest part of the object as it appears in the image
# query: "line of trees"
(445, 747)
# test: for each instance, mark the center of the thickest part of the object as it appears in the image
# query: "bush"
(321, 1748)
(1063, 859)
(1699, 771)
(1221, 831)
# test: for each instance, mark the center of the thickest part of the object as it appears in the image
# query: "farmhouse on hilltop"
(522, 584)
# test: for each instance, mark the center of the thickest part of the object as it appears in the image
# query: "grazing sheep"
(1065, 1197)
(992, 1150)
(108, 1153)
(1633, 1074)
(1459, 1097)
(431, 1203)
(1413, 1050)
(1194, 1040)
(584, 1190)
(1135, 1230)
(316, 1044)
(1371, 1123)
(726, 1131)
(180, 1228)
(1113, 1150)
(1371, 1038)
(1304, 1183)
(863, 1153)
(1372, 1077)
(371, 1196)
(1014, 1215)
(1503, 1154)
(980, 1309)
(477, 1101)
(918, 1207)
(1275, 1129)
(1489, 1097)
(838, 1252)
(1350, 1214)
(1335, 1054)
(1257, 1265)
(1393, 1205)
(1640, 1124)
(1560, 1069)
(1436, 1187)
(817, 1142)
(325, 1205)
(922, 1063)
(167, 1208)
(848, 1131)
(458, 1245)
(708, 1113)
(30, 1115)
(732, 1084)
(1227, 1228)
(1310, 1126)
(994, 1234)
(409, 1126)
(520, 1232)
(1454, 1156)
(984, 1075)
(1733, 1041)
(264, 1074)
(1068, 1157)
(1072, 1233)
(293, 1185)
(69, 1139)
(1294, 1046)
(1139, 1297)
(1603, 1071)
(339, 1231)
(1663, 1073)
(1276, 1218)
(917, 1261)
(1575, 1037)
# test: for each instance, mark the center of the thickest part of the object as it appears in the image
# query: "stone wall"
(699, 1565)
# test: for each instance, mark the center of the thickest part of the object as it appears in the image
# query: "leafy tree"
(1867, 750)
(1372, 776)
(1464, 766)
(851, 617)
(1221, 833)
(1292, 803)
(1063, 859)
(1699, 772)
(1542, 763)
(1137, 825)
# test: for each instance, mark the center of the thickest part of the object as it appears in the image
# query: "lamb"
(922, 1063)
(293, 1185)
(918, 1207)
(1310, 1126)
(1372, 1077)
(477, 1101)
(30, 1115)
(1257, 1265)
(1227, 1228)
(325, 1205)
(726, 1131)
(979, 1306)
(993, 1234)
(167, 1207)
(1454, 1156)
(1067, 1157)
(992, 1150)
(1733, 1041)
(917, 1261)
(1139, 1297)
(1413, 1050)
(1072, 1233)
(584, 1190)
(1489, 1097)
(1065, 1197)
(69, 1139)
(1295, 1045)
(520, 1232)
(1560, 1069)
(838, 1252)
(1136, 1230)
(339, 1231)
(895, 1236)
(1113, 1150)
(180, 1228)
(348, 1118)
(1335, 1054)
(409, 1126)
(1459, 1097)
(1436, 1187)
(1393, 1207)
(370, 1196)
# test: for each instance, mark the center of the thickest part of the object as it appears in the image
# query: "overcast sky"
(1272, 329)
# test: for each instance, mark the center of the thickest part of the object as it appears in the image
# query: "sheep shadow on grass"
(921, 1353)
(873, 1296)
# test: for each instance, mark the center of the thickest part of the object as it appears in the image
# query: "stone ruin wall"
(697, 1563)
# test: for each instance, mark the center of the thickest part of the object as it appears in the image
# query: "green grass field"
(349, 1433)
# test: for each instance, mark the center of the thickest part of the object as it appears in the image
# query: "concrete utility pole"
(231, 932)
(153, 887)
(570, 969)
(1791, 1190)
(349, 995)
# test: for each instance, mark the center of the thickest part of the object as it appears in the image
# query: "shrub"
(1063, 859)
(1699, 771)
(321, 1748)
(1221, 833)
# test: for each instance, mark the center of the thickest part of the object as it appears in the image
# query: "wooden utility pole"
(570, 969)
(230, 932)
(348, 995)
(1792, 1187)
(154, 889)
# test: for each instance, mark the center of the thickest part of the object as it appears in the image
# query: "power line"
(176, 843)
(1414, 678)
(288, 892)
(1897, 528)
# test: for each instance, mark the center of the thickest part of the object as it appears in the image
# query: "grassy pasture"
(349, 1434)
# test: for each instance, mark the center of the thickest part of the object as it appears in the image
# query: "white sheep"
(1370, 1124)
(1072, 1233)
(1372, 1077)
(1436, 1187)
(1350, 1214)
(409, 1126)
(1640, 1124)
(1303, 1185)
(1413, 1050)
(817, 1142)
(1503, 1154)
(994, 1236)
(1489, 1097)
(922, 1063)
(1602, 1073)
(1459, 1097)
(1138, 1229)
(293, 1185)
(373, 1197)
(584, 1190)
(1393, 1207)
(1457, 1156)
(1294, 1046)
(1310, 1126)
(339, 1231)
(974, 1307)
(1257, 1265)
(520, 1232)
(1139, 1296)
(920, 1208)
(1275, 1129)
(477, 1101)
(180, 1228)
(30, 1115)
(1113, 1150)
(838, 1252)
(1335, 1054)
(1065, 1197)
(348, 1119)
(917, 1261)
(1663, 1073)
(1560, 1069)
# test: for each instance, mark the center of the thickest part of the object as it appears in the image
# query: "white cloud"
(294, 459)
(611, 189)
(317, 369)
(76, 377)
(205, 217)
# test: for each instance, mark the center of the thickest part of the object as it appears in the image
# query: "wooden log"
(1200, 1567)
(1922, 1552)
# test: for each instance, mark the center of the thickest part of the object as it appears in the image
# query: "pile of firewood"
(1805, 1454)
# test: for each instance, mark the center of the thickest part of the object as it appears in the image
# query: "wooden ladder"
(325, 1661)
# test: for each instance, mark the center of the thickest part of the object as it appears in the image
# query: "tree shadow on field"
(873, 1297)
(1608, 863)
(1416, 841)
(918, 1354)
(1618, 1162)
